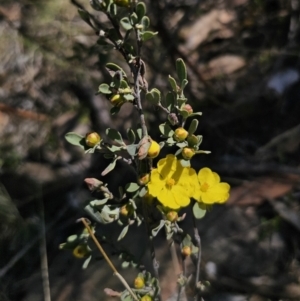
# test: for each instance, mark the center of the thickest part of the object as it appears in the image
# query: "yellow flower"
(210, 189)
(172, 184)
(188, 153)
(91, 139)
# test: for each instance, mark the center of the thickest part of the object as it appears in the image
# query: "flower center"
(170, 183)
(204, 187)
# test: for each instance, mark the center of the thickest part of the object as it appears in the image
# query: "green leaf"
(140, 10)
(166, 130)
(181, 70)
(143, 192)
(139, 133)
(147, 35)
(131, 136)
(193, 126)
(114, 148)
(124, 265)
(183, 84)
(187, 241)
(153, 96)
(184, 113)
(125, 23)
(128, 97)
(145, 22)
(173, 83)
(134, 18)
(131, 149)
(196, 114)
(132, 187)
(96, 203)
(115, 67)
(123, 233)
(104, 89)
(75, 139)
(115, 136)
(72, 238)
(109, 168)
(170, 101)
(199, 210)
(123, 84)
(113, 9)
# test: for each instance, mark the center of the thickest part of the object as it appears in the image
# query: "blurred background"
(244, 75)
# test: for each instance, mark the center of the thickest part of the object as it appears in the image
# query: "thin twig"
(198, 241)
(116, 273)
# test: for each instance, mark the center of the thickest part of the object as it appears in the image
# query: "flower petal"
(205, 175)
(156, 184)
(216, 194)
(167, 166)
(167, 199)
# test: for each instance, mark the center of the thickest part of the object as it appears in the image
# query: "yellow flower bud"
(146, 298)
(117, 100)
(192, 140)
(144, 179)
(153, 150)
(139, 282)
(122, 3)
(180, 134)
(172, 216)
(188, 153)
(186, 251)
(91, 139)
(188, 108)
(124, 210)
(81, 251)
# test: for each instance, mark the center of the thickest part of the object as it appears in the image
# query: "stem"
(155, 263)
(198, 241)
(108, 260)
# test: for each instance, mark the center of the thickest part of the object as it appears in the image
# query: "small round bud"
(81, 251)
(192, 140)
(153, 150)
(188, 108)
(146, 298)
(124, 210)
(144, 179)
(180, 134)
(91, 139)
(122, 3)
(172, 117)
(186, 251)
(172, 216)
(188, 153)
(139, 282)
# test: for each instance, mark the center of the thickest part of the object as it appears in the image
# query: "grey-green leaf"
(193, 126)
(145, 22)
(114, 135)
(166, 130)
(132, 187)
(104, 89)
(131, 136)
(75, 139)
(140, 10)
(156, 229)
(181, 70)
(109, 168)
(147, 35)
(173, 83)
(86, 262)
(185, 163)
(199, 210)
(126, 24)
(123, 232)
(134, 18)
(131, 149)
